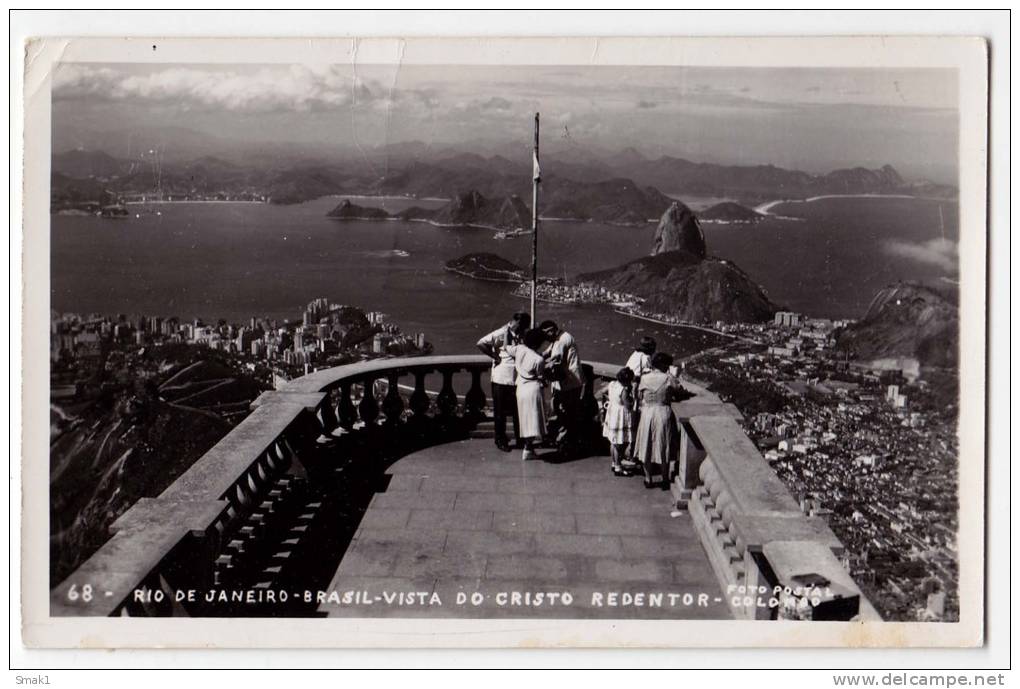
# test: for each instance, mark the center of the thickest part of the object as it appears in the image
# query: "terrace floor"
(475, 526)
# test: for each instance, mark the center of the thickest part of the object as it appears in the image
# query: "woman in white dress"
(530, 365)
(657, 439)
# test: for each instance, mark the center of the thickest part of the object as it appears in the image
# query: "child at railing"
(619, 419)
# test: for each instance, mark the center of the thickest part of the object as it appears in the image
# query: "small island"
(349, 211)
(730, 213)
(488, 267)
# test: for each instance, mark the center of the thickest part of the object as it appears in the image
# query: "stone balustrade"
(245, 513)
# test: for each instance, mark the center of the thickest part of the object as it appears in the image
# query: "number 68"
(85, 595)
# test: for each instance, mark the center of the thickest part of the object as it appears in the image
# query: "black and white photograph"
(484, 333)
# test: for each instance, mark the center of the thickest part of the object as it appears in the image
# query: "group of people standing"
(638, 422)
(525, 360)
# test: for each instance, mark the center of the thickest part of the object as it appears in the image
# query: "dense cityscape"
(269, 349)
(873, 452)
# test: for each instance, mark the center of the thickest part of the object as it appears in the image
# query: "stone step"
(486, 428)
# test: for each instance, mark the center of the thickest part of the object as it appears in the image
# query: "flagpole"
(534, 229)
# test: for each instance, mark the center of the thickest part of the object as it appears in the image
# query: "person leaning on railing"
(530, 368)
(657, 439)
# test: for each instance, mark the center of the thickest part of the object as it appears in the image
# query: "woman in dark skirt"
(657, 438)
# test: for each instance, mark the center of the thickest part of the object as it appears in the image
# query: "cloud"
(647, 104)
(937, 252)
(496, 103)
(292, 88)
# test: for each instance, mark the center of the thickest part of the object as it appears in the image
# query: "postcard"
(608, 342)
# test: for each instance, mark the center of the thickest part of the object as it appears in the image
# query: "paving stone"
(525, 567)
(440, 564)
(457, 483)
(604, 488)
(367, 563)
(509, 465)
(656, 504)
(576, 504)
(694, 572)
(493, 501)
(429, 466)
(437, 500)
(534, 485)
(534, 522)
(491, 542)
(402, 537)
(451, 520)
(383, 518)
(633, 570)
(578, 544)
(403, 483)
(618, 524)
(678, 545)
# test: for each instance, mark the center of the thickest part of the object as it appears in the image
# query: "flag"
(537, 171)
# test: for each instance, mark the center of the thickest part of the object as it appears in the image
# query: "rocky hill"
(679, 230)
(680, 279)
(471, 209)
(83, 164)
(697, 291)
(617, 201)
(906, 320)
(131, 438)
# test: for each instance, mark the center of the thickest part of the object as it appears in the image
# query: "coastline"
(652, 319)
(455, 271)
(703, 328)
(765, 208)
(192, 201)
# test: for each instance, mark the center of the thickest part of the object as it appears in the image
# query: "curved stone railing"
(259, 485)
(762, 547)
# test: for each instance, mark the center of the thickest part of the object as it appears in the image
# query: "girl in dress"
(529, 364)
(657, 433)
(616, 427)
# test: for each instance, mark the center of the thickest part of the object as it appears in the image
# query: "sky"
(806, 118)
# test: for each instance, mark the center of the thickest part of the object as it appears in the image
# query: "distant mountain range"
(624, 188)
(470, 209)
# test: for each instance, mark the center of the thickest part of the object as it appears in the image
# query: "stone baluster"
(368, 408)
(446, 401)
(474, 400)
(347, 415)
(419, 398)
(327, 416)
(393, 404)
